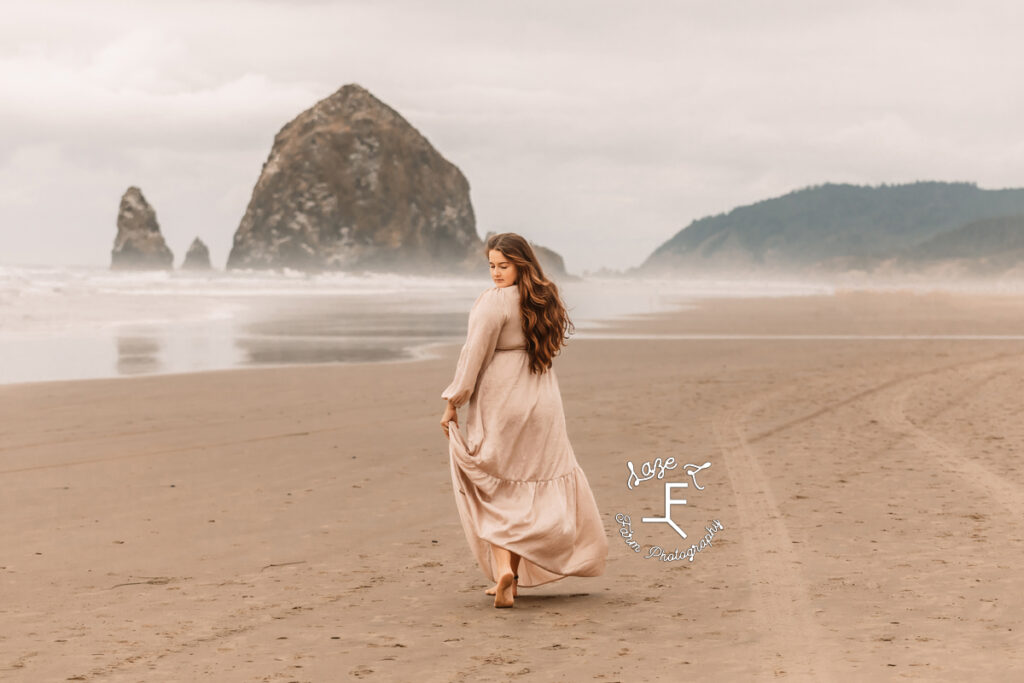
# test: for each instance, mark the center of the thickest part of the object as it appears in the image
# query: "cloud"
(140, 91)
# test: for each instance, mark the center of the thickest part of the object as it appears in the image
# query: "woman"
(525, 503)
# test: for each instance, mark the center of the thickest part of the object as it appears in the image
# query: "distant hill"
(836, 227)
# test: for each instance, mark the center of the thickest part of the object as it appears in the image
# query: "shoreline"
(663, 325)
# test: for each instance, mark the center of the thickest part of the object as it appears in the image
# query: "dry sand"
(298, 524)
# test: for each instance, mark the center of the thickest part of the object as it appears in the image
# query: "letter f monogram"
(669, 502)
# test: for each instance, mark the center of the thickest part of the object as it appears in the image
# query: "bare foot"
(503, 594)
(515, 588)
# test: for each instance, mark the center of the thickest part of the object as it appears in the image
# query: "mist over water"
(87, 322)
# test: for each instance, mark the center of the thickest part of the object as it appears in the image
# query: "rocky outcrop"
(139, 244)
(550, 261)
(198, 256)
(351, 185)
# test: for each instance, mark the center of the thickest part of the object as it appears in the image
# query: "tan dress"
(516, 480)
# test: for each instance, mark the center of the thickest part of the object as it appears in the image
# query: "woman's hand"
(449, 414)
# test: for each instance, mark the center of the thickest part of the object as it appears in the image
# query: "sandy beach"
(298, 524)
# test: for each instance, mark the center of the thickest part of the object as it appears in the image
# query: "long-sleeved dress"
(516, 480)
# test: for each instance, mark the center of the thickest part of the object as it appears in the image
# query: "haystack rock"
(351, 185)
(139, 244)
(198, 256)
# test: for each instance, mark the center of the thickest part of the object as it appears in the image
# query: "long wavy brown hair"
(546, 323)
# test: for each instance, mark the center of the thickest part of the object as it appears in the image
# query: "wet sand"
(298, 523)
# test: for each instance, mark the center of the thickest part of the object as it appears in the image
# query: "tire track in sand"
(872, 391)
(783, 604)
(893, 414)
(793, 643)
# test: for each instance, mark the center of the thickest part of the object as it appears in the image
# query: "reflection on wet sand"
(130, 331)
(137, 355)
(341, 330)
(287, 350)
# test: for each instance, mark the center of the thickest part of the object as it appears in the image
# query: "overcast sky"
(596, 128)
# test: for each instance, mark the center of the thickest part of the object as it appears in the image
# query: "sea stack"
(198, 256)
(351, 185)
(551, 261)
(139, 244)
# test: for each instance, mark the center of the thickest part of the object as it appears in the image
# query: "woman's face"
(503, 272)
